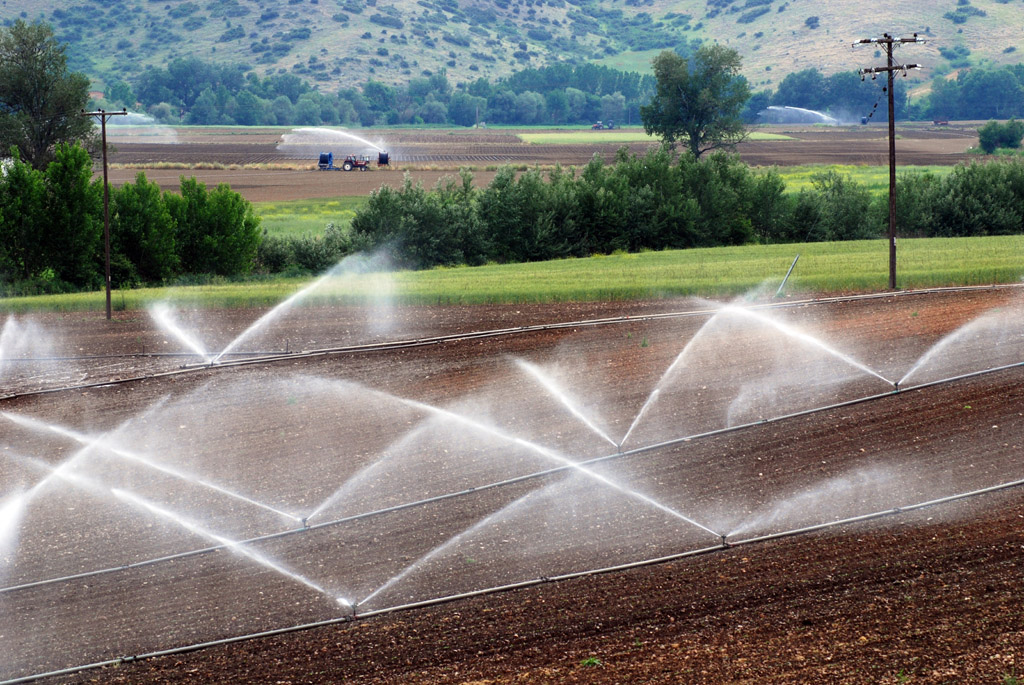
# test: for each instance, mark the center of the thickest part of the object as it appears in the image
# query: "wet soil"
(927, 596)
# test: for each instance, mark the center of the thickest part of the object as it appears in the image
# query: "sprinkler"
(896, 384)
(306, 525)
(725, 543)
(346, 604)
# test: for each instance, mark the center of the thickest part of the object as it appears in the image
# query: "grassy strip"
(630, 135)
(307, 217)
(858, 266)
(876, 178)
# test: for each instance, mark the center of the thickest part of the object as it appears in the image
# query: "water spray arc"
(102, 443)
(548, 454)
(234, 546)
(161, 314)
(559, 394)
(443, 547)
(11, 504)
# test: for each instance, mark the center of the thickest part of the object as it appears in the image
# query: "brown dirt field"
(429, 155)
(926, 596)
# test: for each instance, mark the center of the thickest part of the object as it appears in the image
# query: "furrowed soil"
(925, 596)
(287, 171)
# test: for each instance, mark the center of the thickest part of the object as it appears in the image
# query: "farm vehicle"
(351, 162)
(607, 125)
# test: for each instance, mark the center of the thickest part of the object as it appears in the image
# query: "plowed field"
(929, 595)
(430, 155)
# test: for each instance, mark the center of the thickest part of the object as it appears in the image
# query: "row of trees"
(659, 201)
(977, 93)
(195, 92)
(51, 228)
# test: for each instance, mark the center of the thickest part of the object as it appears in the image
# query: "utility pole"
(106, 191)
(888, 42)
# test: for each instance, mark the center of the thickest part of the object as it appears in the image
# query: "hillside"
(341, 43)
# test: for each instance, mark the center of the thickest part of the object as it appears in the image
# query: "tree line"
(192, 91)
(51, 228)
(660, 200)
(195, 92)
(985, 92)
(51, 221)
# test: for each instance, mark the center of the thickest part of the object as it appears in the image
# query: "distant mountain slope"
(341, 43)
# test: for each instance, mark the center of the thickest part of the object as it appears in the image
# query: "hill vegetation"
(340, 44)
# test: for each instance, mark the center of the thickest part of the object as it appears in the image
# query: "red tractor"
(351, 163)
(354, 162)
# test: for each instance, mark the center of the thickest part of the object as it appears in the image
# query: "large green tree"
(40, 101)
(699, 101)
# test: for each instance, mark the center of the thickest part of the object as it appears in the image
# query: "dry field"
(930, 595)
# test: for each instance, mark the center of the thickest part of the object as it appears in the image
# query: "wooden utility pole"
(106, 191)
(888, 42)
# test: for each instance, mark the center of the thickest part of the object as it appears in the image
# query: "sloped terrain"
(341, 43)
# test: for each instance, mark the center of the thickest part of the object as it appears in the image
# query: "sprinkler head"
(725, 543)
(306, 525)
(896, 384)
(346, 604)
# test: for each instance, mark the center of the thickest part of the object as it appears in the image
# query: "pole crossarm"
(889, 40)
(897, 67)
(103, 116)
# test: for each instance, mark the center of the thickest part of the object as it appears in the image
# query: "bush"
(384, 20)
(217, 232)
(980, 199)
(274, 254)
(993, 135)
(423, 229)
(142, 231)
(72, 223)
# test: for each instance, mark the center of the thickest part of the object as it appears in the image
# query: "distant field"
(858, 266)
(306, 217)
(622, 135)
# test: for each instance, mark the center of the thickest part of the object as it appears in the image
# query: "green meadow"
(876, 178)
(823, 268)
(306, 217)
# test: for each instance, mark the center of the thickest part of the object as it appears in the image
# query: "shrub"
(993, 135)
(72, 224)
(384, 20)
(217, 232)
(142, 230)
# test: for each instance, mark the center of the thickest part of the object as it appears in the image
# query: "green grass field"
(306, 217)
(876, 178)
(859, 266)
(572, 136)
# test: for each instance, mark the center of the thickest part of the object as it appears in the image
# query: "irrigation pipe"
(502, 483)
(354, 616)
(471, 335)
